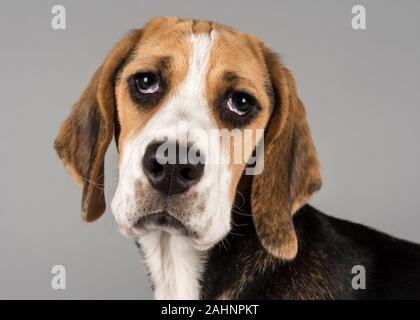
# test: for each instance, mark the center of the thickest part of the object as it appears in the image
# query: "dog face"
(197, 76)
(186, 88)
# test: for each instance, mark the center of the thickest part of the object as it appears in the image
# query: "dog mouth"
(165, 221)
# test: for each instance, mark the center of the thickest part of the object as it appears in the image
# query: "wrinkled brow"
(159, 64)
(231, 78)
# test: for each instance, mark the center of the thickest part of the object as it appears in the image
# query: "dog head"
(181, 87)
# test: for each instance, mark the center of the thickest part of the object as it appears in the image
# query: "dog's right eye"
(147, 82)
(146, 88)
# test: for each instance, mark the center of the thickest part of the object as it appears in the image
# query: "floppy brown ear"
(86, 133)
(291, 169)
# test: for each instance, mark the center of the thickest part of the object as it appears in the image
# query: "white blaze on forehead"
(189, 105)
(194, 84)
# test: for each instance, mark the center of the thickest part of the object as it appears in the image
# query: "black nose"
(169, 169)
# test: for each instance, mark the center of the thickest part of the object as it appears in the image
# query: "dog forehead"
(196, 52)
(231, 49)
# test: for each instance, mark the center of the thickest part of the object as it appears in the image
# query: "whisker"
(230, 247)
(237, 234)
(240, 213)
(241, 224)
(223, 244)
(238, 208)
(243, 198)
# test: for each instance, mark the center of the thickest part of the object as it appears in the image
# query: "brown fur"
(85, 135)
(291, 169)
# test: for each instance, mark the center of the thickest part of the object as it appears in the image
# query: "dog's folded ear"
(291, 169)
(86, 133)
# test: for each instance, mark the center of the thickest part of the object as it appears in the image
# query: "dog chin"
(137, 232)
(198, 243)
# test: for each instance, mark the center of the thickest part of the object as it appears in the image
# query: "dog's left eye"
(240, 103)
(147, 82)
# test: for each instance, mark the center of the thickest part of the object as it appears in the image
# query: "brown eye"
(240, 103)
(147, 82)
(146, 88)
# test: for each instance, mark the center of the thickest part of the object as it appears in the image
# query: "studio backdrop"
(359, 84)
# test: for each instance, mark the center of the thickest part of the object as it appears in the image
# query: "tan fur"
(161, 43)
(232, 51)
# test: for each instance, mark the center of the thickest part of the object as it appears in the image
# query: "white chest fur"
(175, 266)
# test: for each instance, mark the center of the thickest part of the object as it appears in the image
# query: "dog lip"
(163, 219)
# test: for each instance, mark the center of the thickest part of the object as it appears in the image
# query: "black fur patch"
(239, 268)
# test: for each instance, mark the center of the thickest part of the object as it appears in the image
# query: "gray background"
(360, 89)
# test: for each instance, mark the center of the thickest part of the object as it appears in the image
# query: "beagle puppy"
(209, 230)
